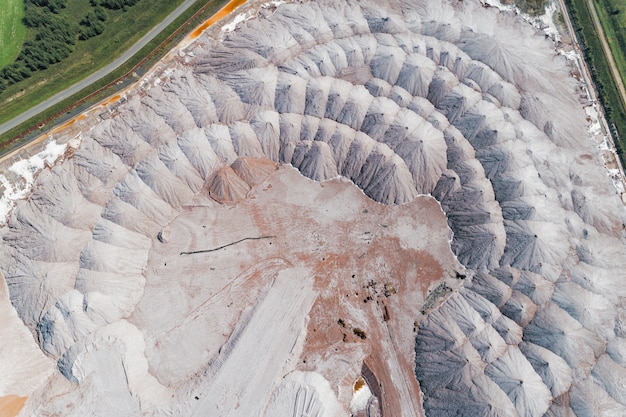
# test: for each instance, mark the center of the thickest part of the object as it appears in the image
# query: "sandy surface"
(372, 267)
(23, 366)
(11, 405)
(193, 282)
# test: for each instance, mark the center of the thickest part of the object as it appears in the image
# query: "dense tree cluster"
(93, 24)
(53, 42)
(55, 35)
(54, 6)
(114, 4)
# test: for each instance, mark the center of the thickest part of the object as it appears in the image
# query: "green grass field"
(586, 33)
(612, 15)
(12, 31)
(123, 29)
(63, 111)
(532, 7)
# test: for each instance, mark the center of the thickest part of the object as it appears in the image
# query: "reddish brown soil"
(11, 405)
(373, 266)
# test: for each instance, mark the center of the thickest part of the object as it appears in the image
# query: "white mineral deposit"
(332, 208)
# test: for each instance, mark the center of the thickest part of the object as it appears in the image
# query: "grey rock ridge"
(403, 98)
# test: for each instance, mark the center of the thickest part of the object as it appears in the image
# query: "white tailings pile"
(455, 100)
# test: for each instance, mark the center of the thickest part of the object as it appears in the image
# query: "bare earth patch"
(11, 405)
(372, 266)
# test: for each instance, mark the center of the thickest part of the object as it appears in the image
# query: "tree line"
(55, 35)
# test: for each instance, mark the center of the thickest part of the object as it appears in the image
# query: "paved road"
(33, 111)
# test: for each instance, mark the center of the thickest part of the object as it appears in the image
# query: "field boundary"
(617, 77)
(116, 80)
(598, 72)
(12, 31)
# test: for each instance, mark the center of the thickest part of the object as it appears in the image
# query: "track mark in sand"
(225, 246)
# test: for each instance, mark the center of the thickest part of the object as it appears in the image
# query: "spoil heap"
(454, 100)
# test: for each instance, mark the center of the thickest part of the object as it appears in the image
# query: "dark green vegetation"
(52, 35)
(12, 30)
(63, 45)
(600, 71)
(118, 79)
(53, 41)
(532, 7)
(612, 15)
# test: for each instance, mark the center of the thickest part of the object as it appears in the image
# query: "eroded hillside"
(173, 265)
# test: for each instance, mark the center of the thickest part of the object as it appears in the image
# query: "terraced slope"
(403, 99)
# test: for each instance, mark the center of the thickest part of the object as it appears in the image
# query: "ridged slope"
(409, 98)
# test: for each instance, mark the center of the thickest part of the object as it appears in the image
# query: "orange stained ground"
(111, 100)
(222, 13)
(360, 383)
(67, 124)
(11, 405)
(63, 126)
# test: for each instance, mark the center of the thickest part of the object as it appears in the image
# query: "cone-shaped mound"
(253, 171)
(226, 186)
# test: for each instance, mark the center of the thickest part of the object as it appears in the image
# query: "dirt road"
(607, 52)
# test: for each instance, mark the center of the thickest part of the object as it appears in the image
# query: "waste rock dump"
(367, 208)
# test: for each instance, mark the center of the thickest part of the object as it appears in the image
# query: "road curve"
(102, 72)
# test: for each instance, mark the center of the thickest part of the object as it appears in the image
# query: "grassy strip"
(123, 29)
(12, 31)
(600, 71)
(613, 21)
(114, 82)
(532, 7)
